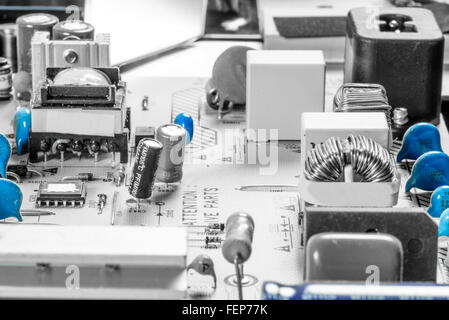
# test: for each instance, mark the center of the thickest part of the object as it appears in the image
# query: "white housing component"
(317, 128)
(100, 122)
(280, 86)
(112, 262)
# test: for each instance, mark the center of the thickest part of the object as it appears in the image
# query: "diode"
(144, 169)
(238, 243)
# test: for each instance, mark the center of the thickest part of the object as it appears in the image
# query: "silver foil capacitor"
(73, 30)
(173, 138)
(8, 43)
(26, 26)
(144, 168)
(5, 79)
(239, 237)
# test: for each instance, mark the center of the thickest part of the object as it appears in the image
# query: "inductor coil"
(370, 161)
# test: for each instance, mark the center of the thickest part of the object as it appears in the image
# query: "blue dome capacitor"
(443, 227)
(11, 200)
(22, 123)
(185, 120)
(5, 154)
(439, 201)
(429, 172)
(419, 139)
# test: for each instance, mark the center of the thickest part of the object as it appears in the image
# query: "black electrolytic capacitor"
(144, 169)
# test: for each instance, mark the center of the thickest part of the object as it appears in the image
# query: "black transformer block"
(401, 49)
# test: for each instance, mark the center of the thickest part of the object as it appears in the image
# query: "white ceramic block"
(281, 85)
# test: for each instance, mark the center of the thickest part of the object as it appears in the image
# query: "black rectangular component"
(415, 229)
(81, 95)
(142, 133)
(401, 49)
(61, 194)
(119, 141)
(307, 27)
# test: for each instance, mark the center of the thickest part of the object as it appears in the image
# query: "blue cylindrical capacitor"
(185, 120)
(5, 154)
(11, 200)
(22, 123)
(429, 172)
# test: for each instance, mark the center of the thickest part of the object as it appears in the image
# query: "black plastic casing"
(408, 64)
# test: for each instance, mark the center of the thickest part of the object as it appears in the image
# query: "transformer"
(79, 110)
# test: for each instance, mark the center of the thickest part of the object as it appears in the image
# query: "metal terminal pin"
(400, 116)
(101, 202)
(145, 103)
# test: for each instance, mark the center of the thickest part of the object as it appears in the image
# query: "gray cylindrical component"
(8, 43)
(173, 138)
(239, 237)
(332, 256)
(229, 74)
(144, 168)
(73, 30)
(26, 26)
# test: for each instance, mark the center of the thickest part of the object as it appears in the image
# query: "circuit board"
(220, 177)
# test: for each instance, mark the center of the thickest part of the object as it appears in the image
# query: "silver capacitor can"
(173, 138)
(26, 26)
(5, 79)
(8, 43)
(73, 30)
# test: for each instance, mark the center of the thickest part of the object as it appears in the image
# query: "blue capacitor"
(429, 172)
(419, 139)
(346, 291)
(11, 200)
(443, 227)
(5, 154)
(439, 201)
(185, 120)
(22, 122)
